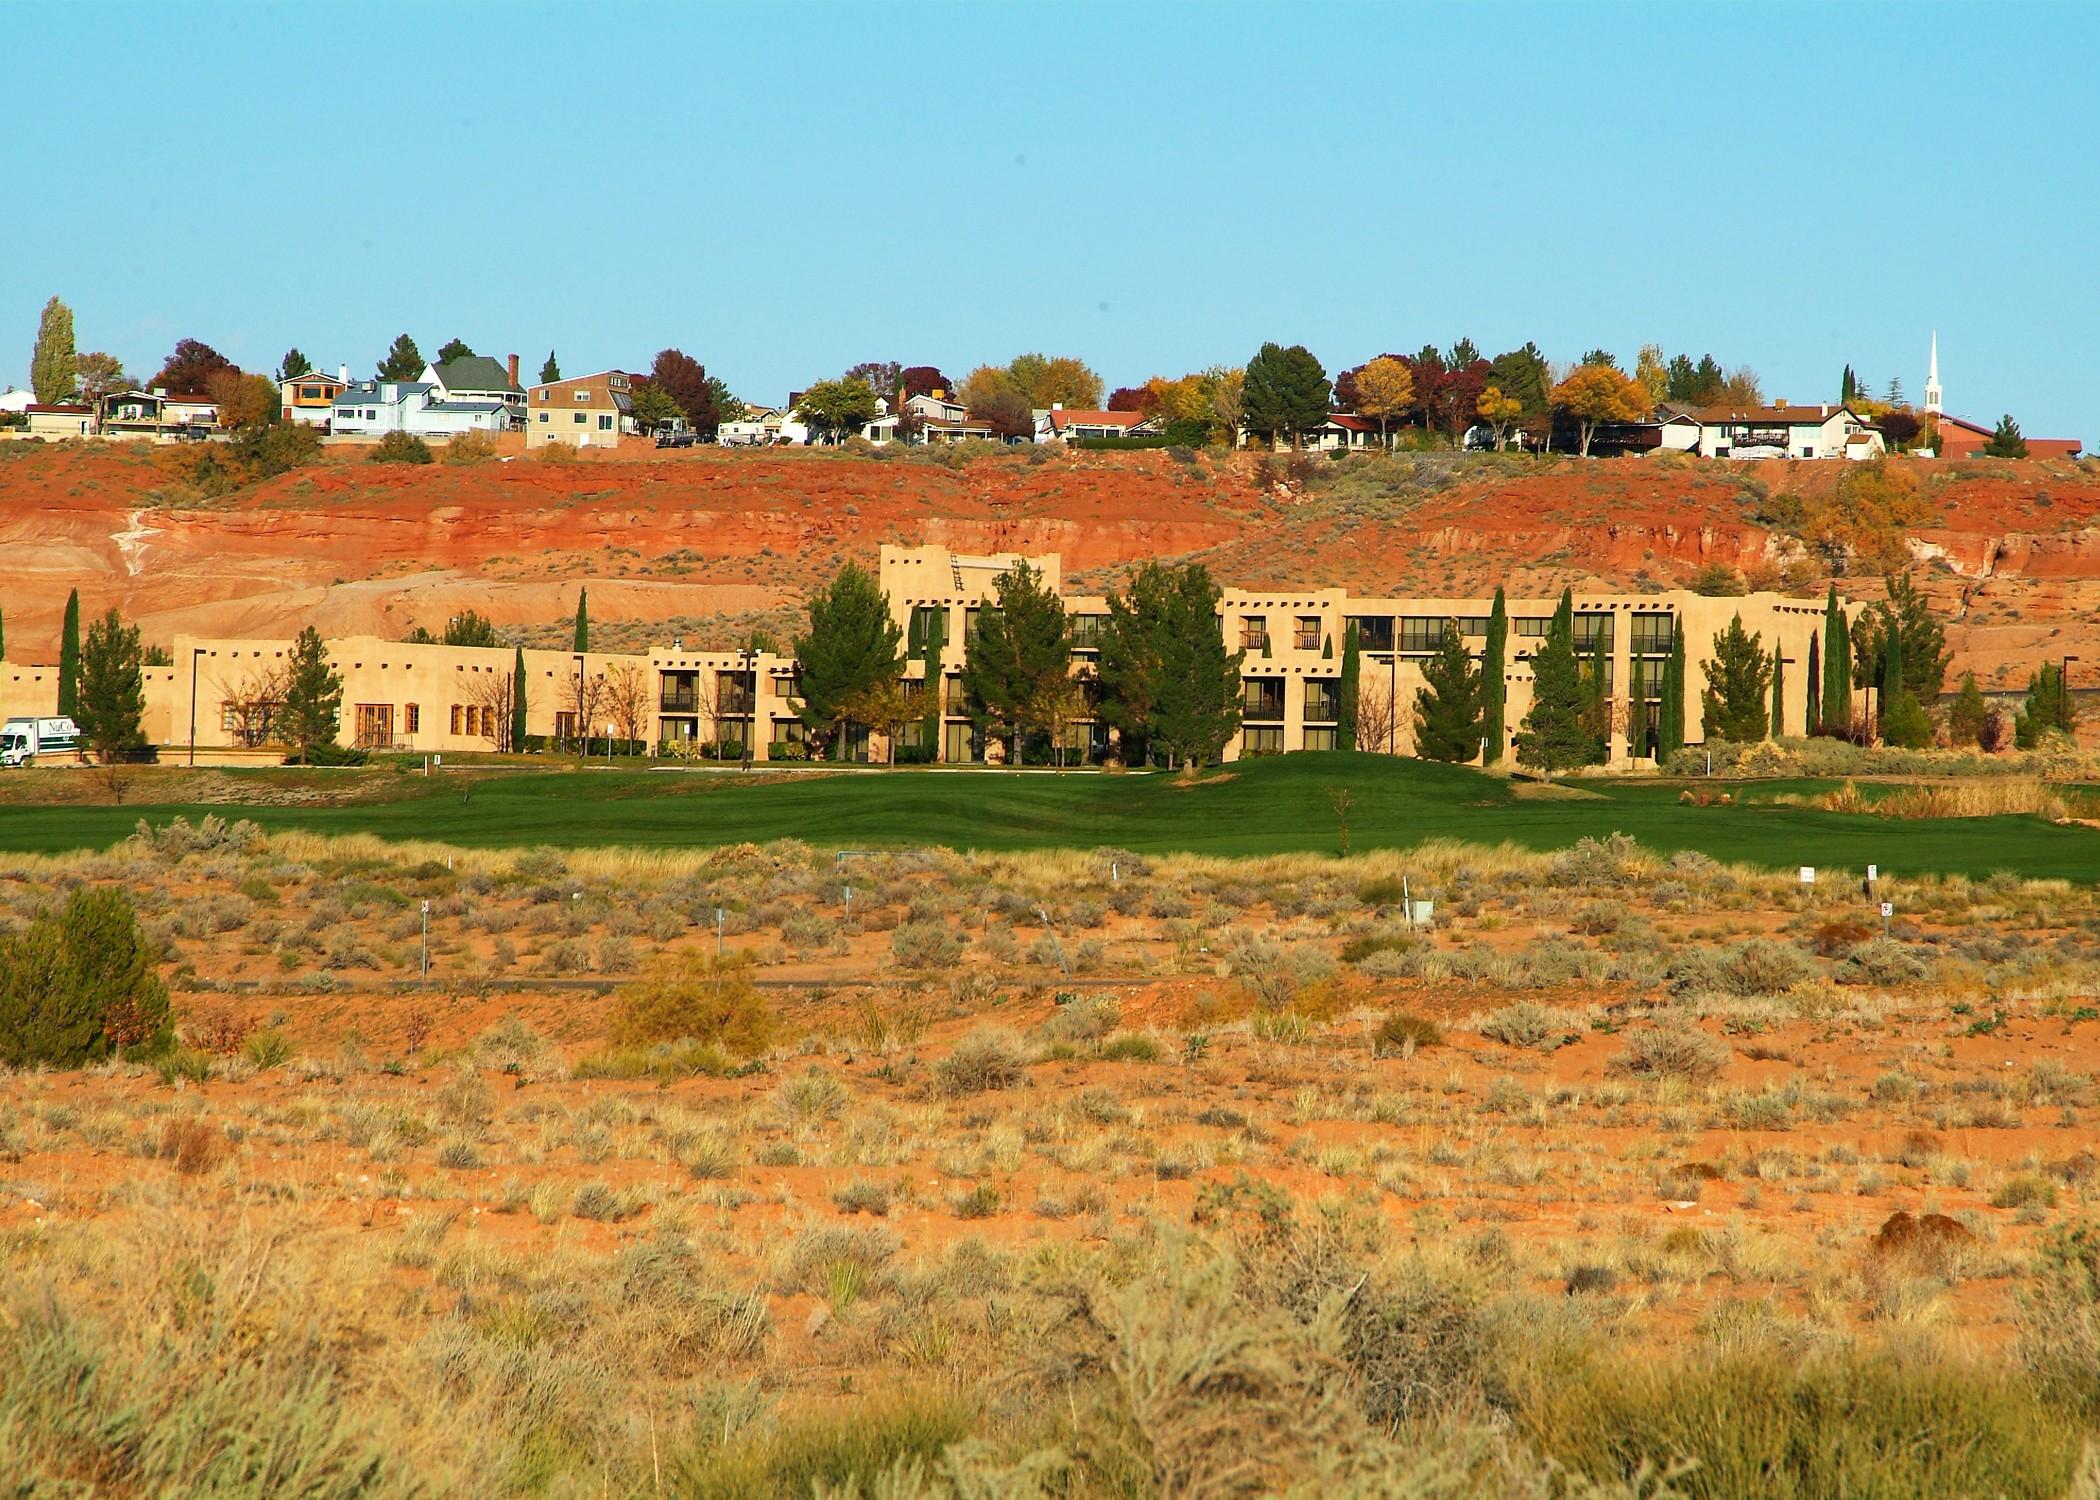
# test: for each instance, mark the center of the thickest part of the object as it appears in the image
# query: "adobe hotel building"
(437, 698)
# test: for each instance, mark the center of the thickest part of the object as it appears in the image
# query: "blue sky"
(783, 190)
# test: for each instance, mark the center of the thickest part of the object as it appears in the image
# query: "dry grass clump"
(1529, 1025)
(982, 1061)
(1400, 1032)
(699, 998)
(1985, 797)
(1670, 1051)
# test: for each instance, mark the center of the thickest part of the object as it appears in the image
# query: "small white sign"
(1888, 909)
(1808, 874)
(426, 908)
(1873, 873)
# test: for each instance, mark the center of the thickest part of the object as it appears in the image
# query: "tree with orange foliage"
(1385, 389)
(1498, 411)
(1597, 393)
(242, 400)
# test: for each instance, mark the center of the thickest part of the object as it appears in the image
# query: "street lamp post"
(195, 652)
(750, 665)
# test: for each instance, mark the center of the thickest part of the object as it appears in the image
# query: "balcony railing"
(678, 703)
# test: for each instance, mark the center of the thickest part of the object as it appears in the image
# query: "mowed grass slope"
(1262, 807)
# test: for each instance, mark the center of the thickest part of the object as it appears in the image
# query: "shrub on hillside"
(982, 1060)
(696, 997)
(470, 448)
(77, 983)
(401, 448)
(1670, 1052)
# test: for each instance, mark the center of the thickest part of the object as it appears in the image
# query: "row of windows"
(605, 421)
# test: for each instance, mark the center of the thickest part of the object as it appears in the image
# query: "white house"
(477, 377)
(1776, 431)
(1060, 426)
(373, 408)
(12, 400)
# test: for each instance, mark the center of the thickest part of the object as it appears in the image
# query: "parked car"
(23, 740)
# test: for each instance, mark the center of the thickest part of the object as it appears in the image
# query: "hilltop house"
(67, 420)
(310, 398)
(374, 408)
(590, 411)
(477, 377)
(1060, 426)
(157, 413)
(1779, 430)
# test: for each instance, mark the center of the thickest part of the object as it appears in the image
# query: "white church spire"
(1932, 377)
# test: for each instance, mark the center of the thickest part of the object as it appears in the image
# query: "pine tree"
(1778, 695)
(550, 371)
(312, 711)
(517, 703)
(69, 659)
(1022, 649)
(1965, 719)
(936, 641)
(1447, 706)
(851, 645)
(1349, 691)
(2006, 441)
(583, 622)
(2048, 708)
(1813, 720)
(294, 365)
(404, 361)
(1669, 734)
(54, 376)
(112, 689)
(1738, 682)
(1494, 681)
(1556, 733)
(1198, 702)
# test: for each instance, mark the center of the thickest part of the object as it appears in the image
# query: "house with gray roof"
(477, 377)
(374, 408)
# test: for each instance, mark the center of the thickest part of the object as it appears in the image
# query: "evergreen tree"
(2006, 441)
(1494, 681)
(1848, 388)
(851, 646)
(69, 659)
(1198, 699)
(3, 636)
(1965, 719)
(79, 981)
(583, 622)
(1738, 681)
(294, 365)
(1813, 720)
(1447, 706)
(2048, 709)
(1836, 695)
(1556, 732)
(404, 361)
(312, 712)
(1130, 662)
(551, 370)
(1022, 650)
(455, 348)
(1348, 691)
(1638, 723)
(1669, 733)
(1778, 694)
(936, 641)
(517, 703)
(470, 628)
(1596, 689)
(54, 376)
(1286, 393)
(112, 689)
(1892, 687)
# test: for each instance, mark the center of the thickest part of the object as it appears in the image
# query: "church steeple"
(1932, 378)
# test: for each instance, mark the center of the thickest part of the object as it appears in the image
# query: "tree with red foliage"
(1346, 394)
(684, 380)
(1133, 398)
(1900, 428)
(189, 369)
(1458, 396)
(924, 380)
(1428, 369)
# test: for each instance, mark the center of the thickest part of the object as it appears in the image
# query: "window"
(1086, 631)
(541, 395)
(1254, 632)
(1589, 626)
(1268, 741)
(543, 416)
(1650, 634)
(970, 622)
(1421, 633)
(412, 717)
(922, 625)
(374, 726)
(1373, 632)
(582, 395)
(1533, 627)
(1475, 626)
(605, 423)
(1307, 636)
(582, 417)
(1323, 700)
(457, 711)
(565, 723)
(1808, 453)
(1319, 739)
(732, 693)
(1261, 698)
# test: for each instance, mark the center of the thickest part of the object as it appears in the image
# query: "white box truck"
(23, 740)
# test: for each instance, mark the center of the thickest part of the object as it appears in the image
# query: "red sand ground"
(350, 546)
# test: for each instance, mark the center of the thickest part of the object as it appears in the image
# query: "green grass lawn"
(1261, 807)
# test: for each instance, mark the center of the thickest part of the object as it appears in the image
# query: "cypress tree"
(936, 639)
(1669, 734)
(1447, 707)
(583, 622)
(1494, 686)
(1837, 674)
(1813, 720)
(3, 636)
(69, 659)
(1891, 665)
(517, 702)
(1597, 699)
(1348, 690)
(1778, 694)
(1556, 733)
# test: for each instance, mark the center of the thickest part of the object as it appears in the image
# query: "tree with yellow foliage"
(1499, 412)
(1653, 374)
(1598, 393)
(1385, 388)
(1862, 518)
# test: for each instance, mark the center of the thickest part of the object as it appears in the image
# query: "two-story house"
(590, 411)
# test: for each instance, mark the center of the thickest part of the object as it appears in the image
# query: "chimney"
(513, 372)
(342, 373)
(1822, 409)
